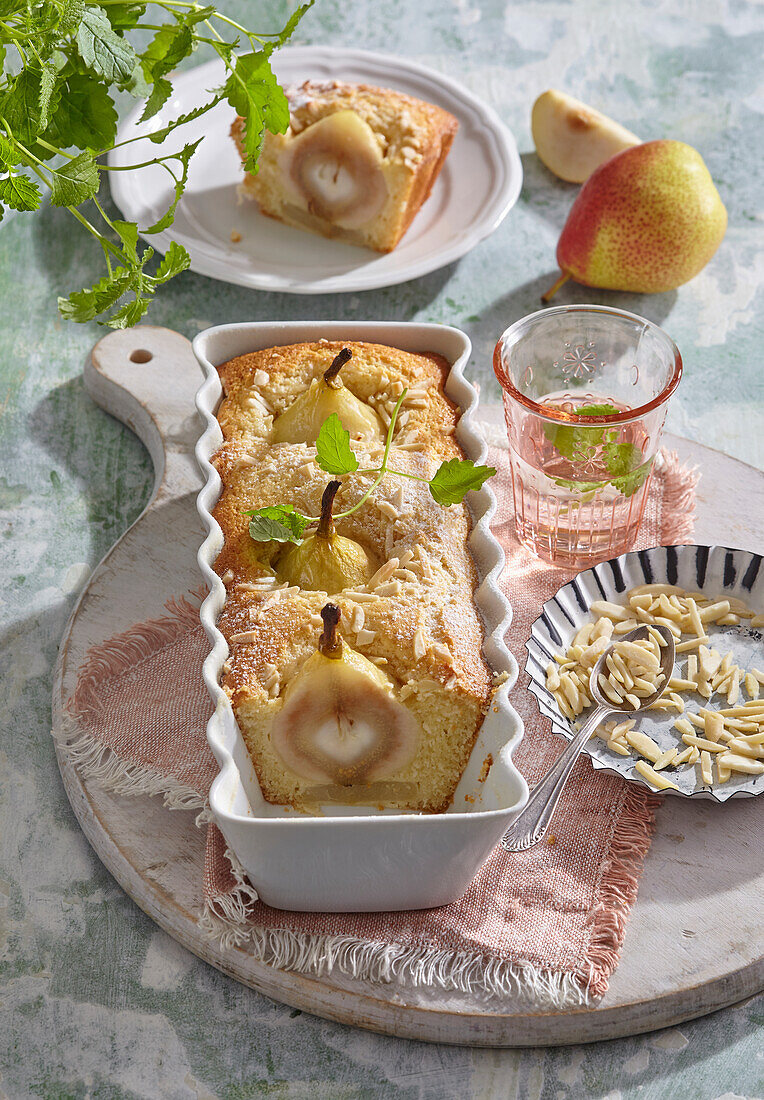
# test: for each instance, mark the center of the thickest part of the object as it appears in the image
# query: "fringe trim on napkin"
(99, 763)
(618, 886)
(680, 483)
(226, 919)
(124, 652)
(385, 962)
(109, 660)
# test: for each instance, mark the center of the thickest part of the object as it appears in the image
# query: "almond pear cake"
(356, 162)
(355, 668)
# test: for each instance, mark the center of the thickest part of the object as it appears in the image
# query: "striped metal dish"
(713, 570)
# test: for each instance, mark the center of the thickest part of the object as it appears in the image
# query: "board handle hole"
(141, 355)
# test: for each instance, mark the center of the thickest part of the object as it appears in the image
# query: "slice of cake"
(356, 163)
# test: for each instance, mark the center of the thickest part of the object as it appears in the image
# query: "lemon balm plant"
(63, 62)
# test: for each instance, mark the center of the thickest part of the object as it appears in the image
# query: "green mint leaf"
(75, 181)
(184, 156)
(620, 458)
(624, 462)
(596, 410)
(85, 117)
(128, 234)
(455, 478)
(123, 17)
(333, 451)
(253, 92)
(47, 98)
(102, 49)
(579, 486)
(629, 483)
(19, 193)
(20, 106)
(137, 85)
(166, 50)
(159, 135)
(579, 444)
(175, 260)
(278, 523)
(84, 305)
(129, 315)
(160, 93)
(292, 22)
(191, 18)
(71, 15)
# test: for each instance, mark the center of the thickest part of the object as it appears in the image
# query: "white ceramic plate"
(477, 186)
(357, 858)
(713, 570)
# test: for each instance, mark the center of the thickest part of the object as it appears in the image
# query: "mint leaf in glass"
(579, 444)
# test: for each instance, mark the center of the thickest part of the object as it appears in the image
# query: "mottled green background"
(95, 1000)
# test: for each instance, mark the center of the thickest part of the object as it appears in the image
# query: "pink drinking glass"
(585, 391)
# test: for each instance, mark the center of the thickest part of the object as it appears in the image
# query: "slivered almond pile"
(718, 741)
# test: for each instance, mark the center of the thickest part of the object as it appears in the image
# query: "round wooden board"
(693, 943)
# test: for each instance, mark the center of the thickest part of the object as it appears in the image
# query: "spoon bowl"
(531, 824)
(668, 656)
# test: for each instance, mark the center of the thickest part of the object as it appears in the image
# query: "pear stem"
(337, 365)
(325, 524)
(564, 276)
(329, 645)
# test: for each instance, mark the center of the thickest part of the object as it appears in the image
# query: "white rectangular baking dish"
(358, 859)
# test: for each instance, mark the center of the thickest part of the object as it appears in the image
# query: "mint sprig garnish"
(278, 523)
(622, 459)
(450, 484)
(456, 478)
(63, 63)
(333, 451)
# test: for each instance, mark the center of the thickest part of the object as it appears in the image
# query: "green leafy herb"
(333, 452)
(278, 523)
(19, 192)
(104, 51)
(622, 459)
(85, 117)
(75, 181)
(450, 484)
(578, 444)
(629, 483)
(456, 478)
(62, 62)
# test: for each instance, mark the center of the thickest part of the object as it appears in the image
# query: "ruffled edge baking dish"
(358, 859)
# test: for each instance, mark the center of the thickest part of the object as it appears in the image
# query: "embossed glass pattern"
(585, 390)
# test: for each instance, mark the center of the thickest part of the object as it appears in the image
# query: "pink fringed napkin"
(546, 924)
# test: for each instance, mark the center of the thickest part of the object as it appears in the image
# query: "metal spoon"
(531, 824)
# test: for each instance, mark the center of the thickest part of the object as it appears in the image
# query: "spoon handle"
(529, 826)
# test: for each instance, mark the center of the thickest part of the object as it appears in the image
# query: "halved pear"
(573, 139)
(302, 421)
(325, 561)
(340, 721)
(334, 169)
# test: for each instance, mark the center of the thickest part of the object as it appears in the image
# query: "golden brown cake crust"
(422, 627)
(414, 139)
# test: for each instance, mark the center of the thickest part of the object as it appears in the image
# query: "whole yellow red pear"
(647, 220)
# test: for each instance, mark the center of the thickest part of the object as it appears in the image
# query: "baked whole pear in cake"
(355, 668)
(356, 162)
